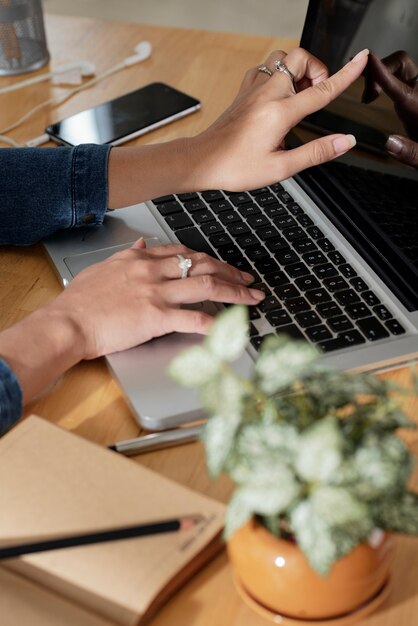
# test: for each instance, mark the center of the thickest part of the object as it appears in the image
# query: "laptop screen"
(334, 31)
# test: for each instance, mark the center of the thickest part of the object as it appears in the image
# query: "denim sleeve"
(43, 190)
(10, 397)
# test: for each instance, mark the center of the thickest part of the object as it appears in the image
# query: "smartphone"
(368, 138)
(124, 118)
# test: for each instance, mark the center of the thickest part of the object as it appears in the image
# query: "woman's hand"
(244, 148)
(136, 295)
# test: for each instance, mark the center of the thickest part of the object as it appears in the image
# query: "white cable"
(143, 51)
(10, 142)
(85, 69)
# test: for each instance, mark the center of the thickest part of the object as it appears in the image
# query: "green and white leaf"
(337, 508)
(229, 334)
(267, 440)
(398, 514)
(218, 439)
(314, 537)
(194, 367)
(382, 467)
(281, 362)
(224, 393)
(266, 499)
(319, 452)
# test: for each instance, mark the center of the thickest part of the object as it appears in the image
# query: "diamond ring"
(184, 265)
(265, 70)
(282, 67)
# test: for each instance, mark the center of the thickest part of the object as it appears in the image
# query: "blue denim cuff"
(43, 190)
(11, 404)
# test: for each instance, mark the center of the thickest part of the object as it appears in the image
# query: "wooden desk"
(86, 400)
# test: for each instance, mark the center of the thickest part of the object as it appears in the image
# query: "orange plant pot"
(276, 574)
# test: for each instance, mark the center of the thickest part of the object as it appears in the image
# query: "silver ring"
(282, 67)
(265, 70)
(184, 265)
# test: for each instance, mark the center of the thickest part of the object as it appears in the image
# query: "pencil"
(115, 534)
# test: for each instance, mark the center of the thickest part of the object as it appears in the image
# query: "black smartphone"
(124, 118)
(368, 138)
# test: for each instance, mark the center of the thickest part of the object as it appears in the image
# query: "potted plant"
(320, 473)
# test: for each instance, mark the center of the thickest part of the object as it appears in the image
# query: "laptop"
(335, 249)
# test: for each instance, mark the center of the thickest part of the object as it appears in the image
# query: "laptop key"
(247, 241)
(253, 331)
(358, 284)
(256, 342)
(316, 296)
(314, 258)
(277, 187)
(277, 244)
(256, 192)
(263, 287)
(240, 198)
(305, 283)
(255, 252)
(284, 221)
(325, 271)
(297, 269)
(219, 206)
(275, 279)
(269, 304)
(372, 328)
(315, 232)
(335, 284)
(297, 305)
(162, 199)
(292, 330)
(340, 324)
(249, 209)
(358, 310)
(318, 333)
(382, 312)
(253, 313)
(344, 340)
(228, 217)
(278, 317)
(258, 220)
(325, 244)
(168, 208)
(395, 327)
(238, 228)
(304, 245)
(265, 266)
(193, 238)
(242, 264)
(291, 234)
(308, 318)
(184, 197)
(347, 271)
(285, 197)
(228, 253)
(212, 195)
(348, 296)
(287, 257)
(286, 292)
(179, 220)
(274, 210)
(328, 309)
(195, 205)
(370, 298)
(202, 217)
(294, 209)
(304, 220)
(221, 239)
(336, 258)
(267, 232)
(265, 199)
(212, 228)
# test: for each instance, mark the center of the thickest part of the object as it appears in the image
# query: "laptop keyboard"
(311, 291)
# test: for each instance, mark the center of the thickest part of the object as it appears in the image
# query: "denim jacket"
(43, 190)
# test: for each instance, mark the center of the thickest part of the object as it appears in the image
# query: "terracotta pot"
(277, 575)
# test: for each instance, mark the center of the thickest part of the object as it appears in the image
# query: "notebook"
(53, 482)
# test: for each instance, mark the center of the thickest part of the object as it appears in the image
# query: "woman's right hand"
(136, 295)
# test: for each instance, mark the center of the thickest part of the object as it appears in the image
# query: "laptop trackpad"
(78, 262)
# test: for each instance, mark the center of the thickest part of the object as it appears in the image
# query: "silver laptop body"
(156, 401)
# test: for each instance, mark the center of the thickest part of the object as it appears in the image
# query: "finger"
(403, 149)
(324, 92)
(139, 244)
(313, 153)
(206, 287)
(385, 77)
(204, 264)
(256, 77)
(302, 64)
(401, 64)
(185, 321)
(169, 250)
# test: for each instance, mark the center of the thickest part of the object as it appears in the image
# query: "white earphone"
(86, 68)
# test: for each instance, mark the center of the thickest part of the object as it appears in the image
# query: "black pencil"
(114, 534)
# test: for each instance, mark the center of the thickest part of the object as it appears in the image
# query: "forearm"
(146, 172)
(40, 348)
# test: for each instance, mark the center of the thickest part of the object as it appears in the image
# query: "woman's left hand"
(244, 147)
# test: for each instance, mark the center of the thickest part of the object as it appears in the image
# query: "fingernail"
(360, 55)
(257, 294)
(138, 243)
(394, 144)
(247, 278)
(344, 143)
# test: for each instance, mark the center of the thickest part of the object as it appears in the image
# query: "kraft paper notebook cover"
(53, 482)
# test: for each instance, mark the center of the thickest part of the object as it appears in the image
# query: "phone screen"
(126, 117)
